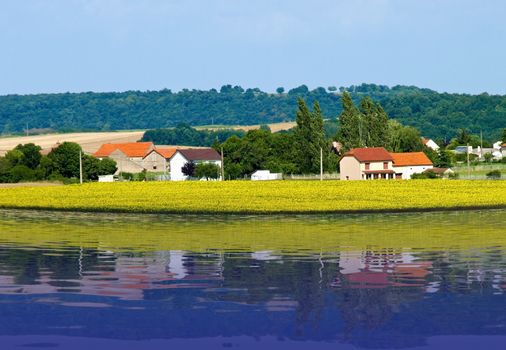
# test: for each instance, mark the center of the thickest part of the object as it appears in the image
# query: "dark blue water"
(70, 294)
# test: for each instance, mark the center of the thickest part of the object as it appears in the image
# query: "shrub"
(207, 171)
(494, 175)
(425, 175)
(21, 173)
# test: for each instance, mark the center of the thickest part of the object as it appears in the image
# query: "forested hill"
(437, 115)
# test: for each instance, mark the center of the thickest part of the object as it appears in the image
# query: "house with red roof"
(377, 163)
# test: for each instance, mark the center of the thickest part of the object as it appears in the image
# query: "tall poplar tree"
(375, 122)
(310, 137)
(350, 132)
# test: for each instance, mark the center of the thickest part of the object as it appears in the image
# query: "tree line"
(26, 163)
(304, 148)
(436, 115)
(184, 134)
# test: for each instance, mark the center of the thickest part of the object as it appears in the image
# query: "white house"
(265, 175)
(431, 144)
(378, 163)
(195, 155)
(410, 163)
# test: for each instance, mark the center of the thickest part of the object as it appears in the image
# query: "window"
(367, 165)
(385, 165)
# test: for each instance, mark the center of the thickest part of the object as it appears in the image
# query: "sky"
(49, 46)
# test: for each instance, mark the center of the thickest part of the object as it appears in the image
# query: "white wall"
(407, 171)
(176, 163)
(432, 145)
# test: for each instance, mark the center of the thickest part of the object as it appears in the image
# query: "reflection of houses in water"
(123, 276)
(379, 270)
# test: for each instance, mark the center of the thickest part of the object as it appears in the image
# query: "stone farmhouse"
(136, 157)
(377, 163)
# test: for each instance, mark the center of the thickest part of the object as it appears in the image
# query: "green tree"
(5, 168)
(404, 138)
(443, 160)
(207, 171)
(188, 169)
(31, 154)
(107, 167)
(350, 124)
(503, 135)
(46, 166)
(65, 159)
(280, 90)
(375, 123)
(20, 173)
(309, 136)
(15, 157)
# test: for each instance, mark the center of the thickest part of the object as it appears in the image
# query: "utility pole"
(481, 142)
(222, 166)
(80, 168)
(321, 164)
(468, 164)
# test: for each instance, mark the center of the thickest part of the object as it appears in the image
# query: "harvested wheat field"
(89, 141)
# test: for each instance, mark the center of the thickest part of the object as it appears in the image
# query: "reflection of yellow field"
(89, 141)
(261, 197)
(389, 233)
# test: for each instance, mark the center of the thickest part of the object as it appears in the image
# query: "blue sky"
(117, 45)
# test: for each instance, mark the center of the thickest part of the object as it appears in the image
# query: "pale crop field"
(250, 197)
(89, 141)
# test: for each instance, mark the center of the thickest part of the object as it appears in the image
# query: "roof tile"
(410, 158)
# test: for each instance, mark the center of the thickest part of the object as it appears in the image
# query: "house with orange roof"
(129, 156)
(158, 159)
(377, 163)
(409, 163)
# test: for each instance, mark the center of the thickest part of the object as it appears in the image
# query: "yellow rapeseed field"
(261, 197)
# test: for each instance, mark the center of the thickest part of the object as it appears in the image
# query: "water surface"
(394, 281)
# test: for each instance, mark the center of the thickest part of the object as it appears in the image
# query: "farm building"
(195, 155)
(128, 156)
(264, 175)
(158, 159)
(378, 163)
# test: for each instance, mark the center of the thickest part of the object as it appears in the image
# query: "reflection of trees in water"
(28, 266)
(284, 280)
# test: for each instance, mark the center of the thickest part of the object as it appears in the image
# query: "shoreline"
(253, 213)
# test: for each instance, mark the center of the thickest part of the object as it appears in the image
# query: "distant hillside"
(437, 115)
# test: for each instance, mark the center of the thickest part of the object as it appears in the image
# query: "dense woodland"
(436, 115)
